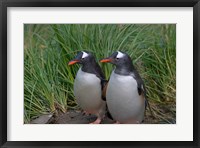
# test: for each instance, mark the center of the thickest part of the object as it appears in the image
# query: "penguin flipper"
(104, 89)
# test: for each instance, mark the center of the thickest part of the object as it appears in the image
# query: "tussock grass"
(48, 80)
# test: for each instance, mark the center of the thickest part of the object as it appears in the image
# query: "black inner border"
(97, 3)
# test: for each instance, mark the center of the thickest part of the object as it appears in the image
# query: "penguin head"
(118, 58)
(83, 57)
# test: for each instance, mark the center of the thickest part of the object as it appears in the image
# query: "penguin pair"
(125, 91)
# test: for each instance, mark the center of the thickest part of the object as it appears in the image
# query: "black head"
(118, 58)
(83, 57)
(122, 61)
(89, 64)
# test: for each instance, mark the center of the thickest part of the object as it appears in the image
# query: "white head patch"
(84, 54)
(120, 55)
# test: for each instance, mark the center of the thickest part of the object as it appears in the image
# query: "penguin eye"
(117, 59)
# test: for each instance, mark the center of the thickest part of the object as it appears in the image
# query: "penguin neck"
(89, 67)
(124, 69)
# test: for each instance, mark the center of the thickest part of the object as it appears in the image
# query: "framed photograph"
(99, 73)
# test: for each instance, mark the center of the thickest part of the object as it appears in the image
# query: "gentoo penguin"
(88, 85)
(126, 93)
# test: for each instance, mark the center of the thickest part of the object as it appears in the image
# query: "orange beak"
(105, 60)
(73, 62)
